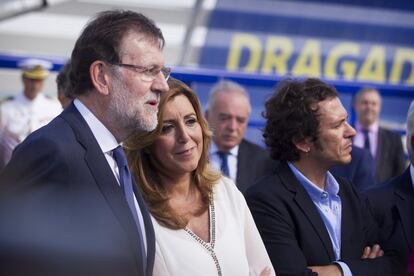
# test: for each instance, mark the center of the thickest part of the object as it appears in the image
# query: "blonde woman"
(202, 223)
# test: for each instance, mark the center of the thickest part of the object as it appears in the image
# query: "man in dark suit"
(227, 113)
(393, 203)
(67, 202)
(309, 220)
(385, 145)
(360, 171)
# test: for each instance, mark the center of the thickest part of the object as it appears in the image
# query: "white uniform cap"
(37, 69)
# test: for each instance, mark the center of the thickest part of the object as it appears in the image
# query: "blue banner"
(329, 41)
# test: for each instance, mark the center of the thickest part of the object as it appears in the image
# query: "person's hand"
(266, 271)
(328, 270)
(372, 252)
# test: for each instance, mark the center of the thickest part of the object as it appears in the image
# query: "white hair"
(226, 86)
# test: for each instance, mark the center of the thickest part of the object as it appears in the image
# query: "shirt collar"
(331, 185)
(214, 149)
(103, 136)
(372, 128)
(412, 174)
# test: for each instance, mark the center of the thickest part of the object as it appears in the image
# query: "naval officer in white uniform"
(24, 113)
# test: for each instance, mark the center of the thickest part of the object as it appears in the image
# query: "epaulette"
(49, 97)
(6, 99)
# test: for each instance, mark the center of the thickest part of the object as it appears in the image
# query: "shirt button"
(324, 195)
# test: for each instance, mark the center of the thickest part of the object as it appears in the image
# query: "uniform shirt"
(19, 117)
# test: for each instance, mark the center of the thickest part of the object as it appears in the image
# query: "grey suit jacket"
(389, 161)
(62, 211)
(253, 162)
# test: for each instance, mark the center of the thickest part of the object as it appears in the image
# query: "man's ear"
(303, 145)
(99, 73)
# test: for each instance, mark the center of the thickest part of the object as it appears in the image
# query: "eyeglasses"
(147, 73)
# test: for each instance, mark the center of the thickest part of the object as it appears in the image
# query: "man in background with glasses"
(68, 205)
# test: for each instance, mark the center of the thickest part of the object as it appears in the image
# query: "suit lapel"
(405, 204)
(307, 206)
(347, 219)
(104, 177)
(379, 152)
(149, 230)
(242, 167)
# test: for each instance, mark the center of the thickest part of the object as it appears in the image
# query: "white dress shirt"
(215, 160)
(107, 142)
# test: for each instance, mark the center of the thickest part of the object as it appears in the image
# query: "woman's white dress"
(235, 246)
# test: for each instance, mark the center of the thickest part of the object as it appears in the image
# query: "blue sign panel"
(329, 41)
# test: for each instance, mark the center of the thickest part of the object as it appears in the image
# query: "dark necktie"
(367, 144)
(224, 162)
(125, 181)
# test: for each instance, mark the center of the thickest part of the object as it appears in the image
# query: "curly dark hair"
(292, 113)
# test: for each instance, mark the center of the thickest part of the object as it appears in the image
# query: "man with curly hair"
(310, 221)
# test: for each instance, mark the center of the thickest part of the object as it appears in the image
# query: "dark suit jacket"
(360, 171)
(62, 211)
(253, 162)
(389, 161)
(295, 235)
(394, 203)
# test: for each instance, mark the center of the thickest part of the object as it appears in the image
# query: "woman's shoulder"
(226, 190)
(227, 185)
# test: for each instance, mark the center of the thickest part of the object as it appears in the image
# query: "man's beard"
(132, 115)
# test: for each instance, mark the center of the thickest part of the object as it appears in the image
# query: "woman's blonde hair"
(145, 169)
